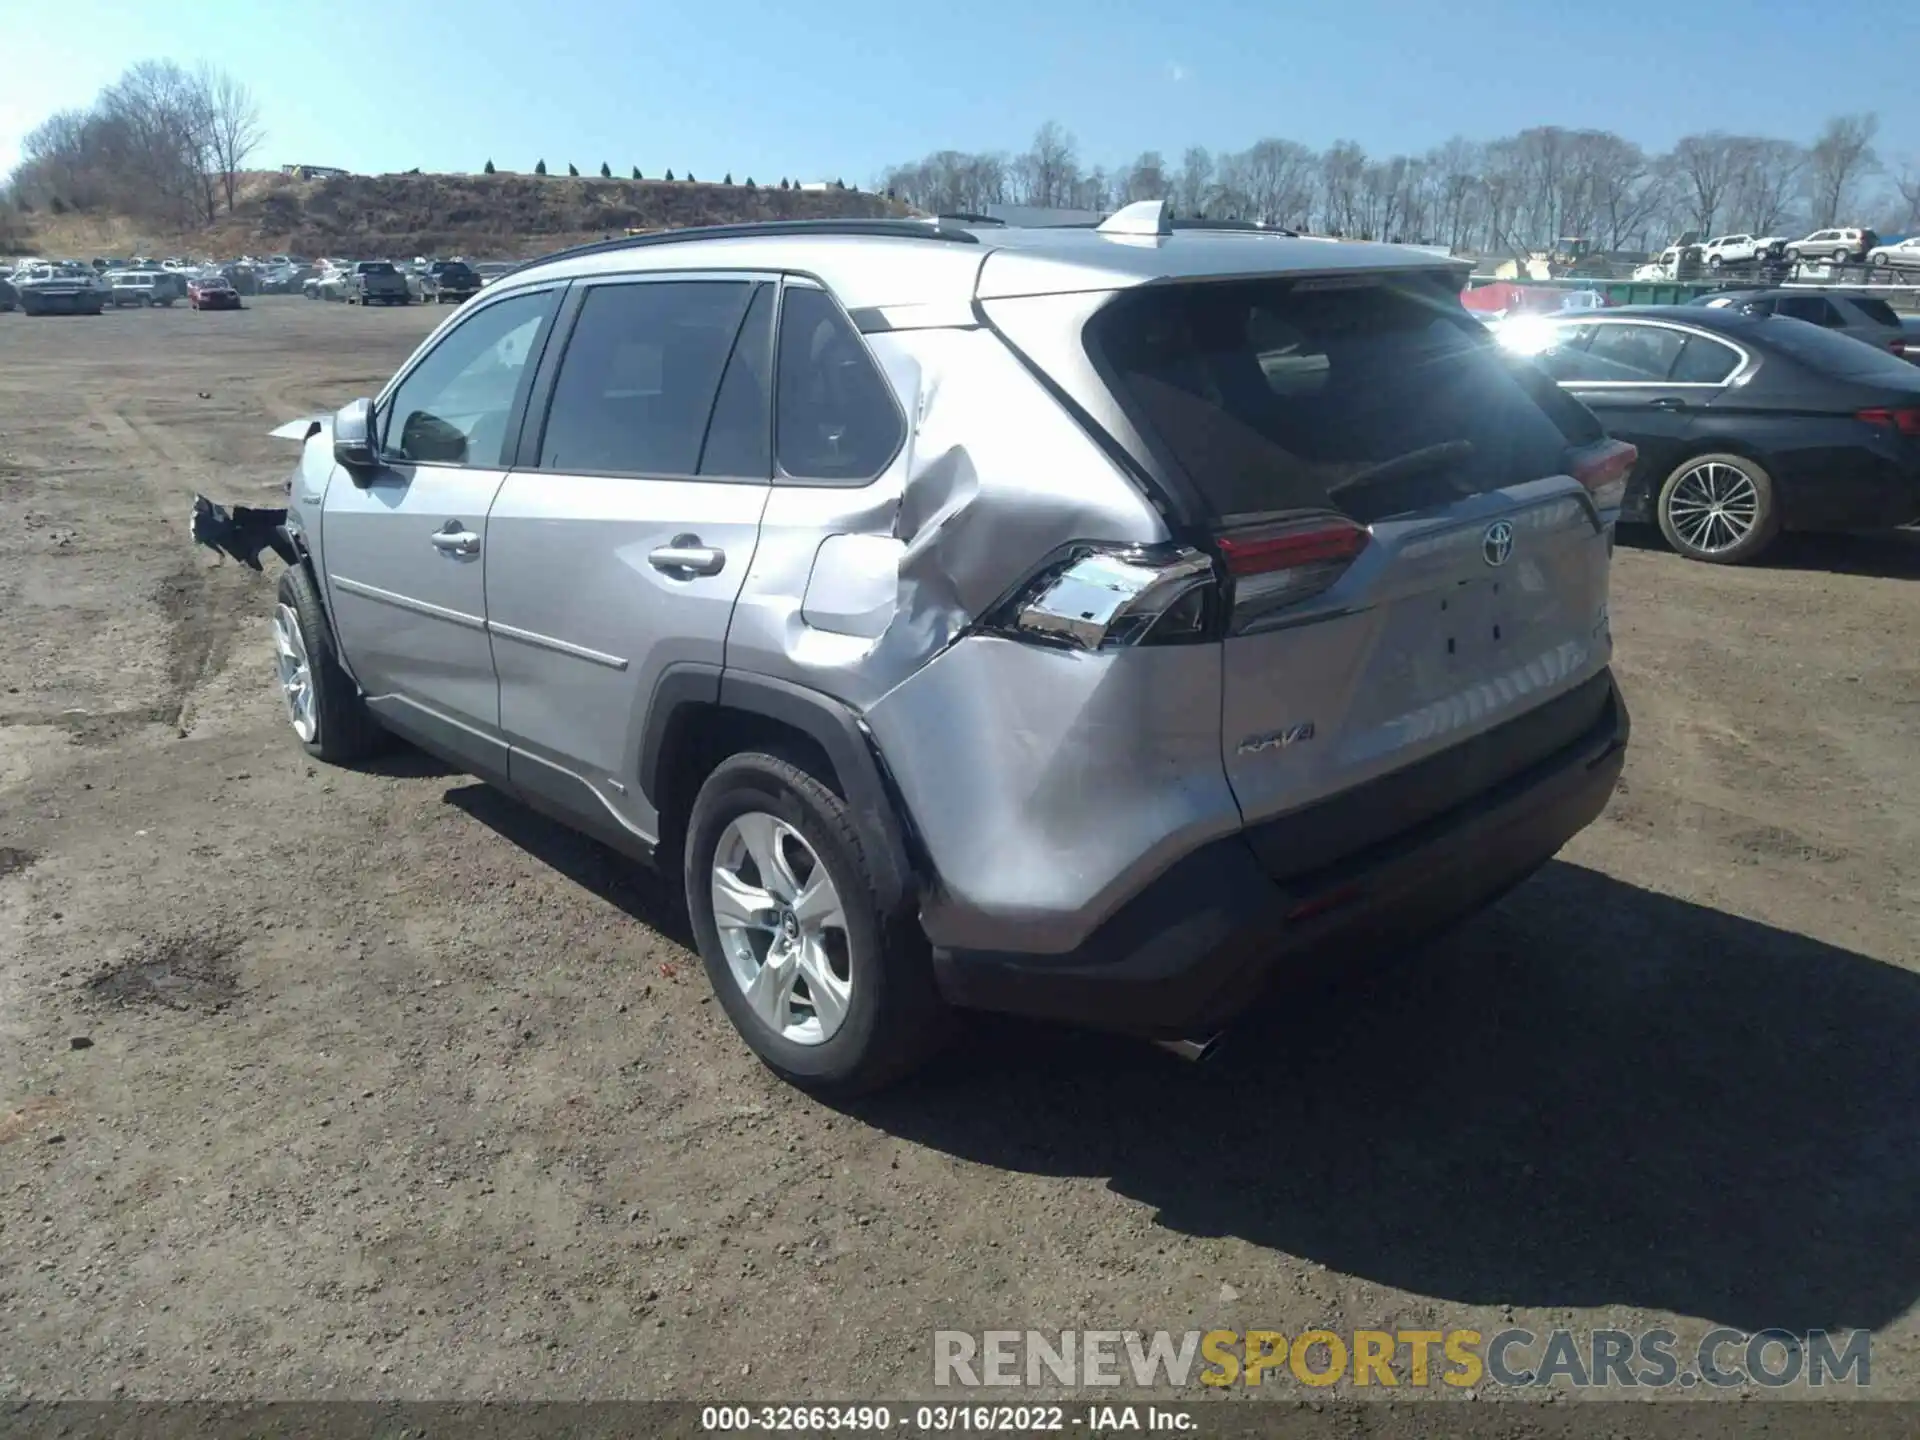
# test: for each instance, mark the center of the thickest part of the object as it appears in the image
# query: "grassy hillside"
(480, 215)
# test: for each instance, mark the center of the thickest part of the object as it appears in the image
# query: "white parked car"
(1901, 255)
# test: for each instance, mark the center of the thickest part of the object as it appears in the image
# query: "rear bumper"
(1200, 944)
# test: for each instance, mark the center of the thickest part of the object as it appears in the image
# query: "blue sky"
(814, 90)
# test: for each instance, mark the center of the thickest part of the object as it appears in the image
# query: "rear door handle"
(1668, 402)
(686, 557)
(454, 538)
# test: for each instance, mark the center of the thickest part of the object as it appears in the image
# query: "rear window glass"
(1876, 310)
(1832, 353)
(1373, 401)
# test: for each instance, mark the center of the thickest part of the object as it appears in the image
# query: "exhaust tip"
(1192, 1051)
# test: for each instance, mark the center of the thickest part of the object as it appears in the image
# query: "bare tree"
(1195, 180)
(1341, 169)
(232, 118)
(1277, 176)
(1906, 185)
(1706, 166)
(1050, 169)
(1839, 159)
(1146, 178)
(1766, 182)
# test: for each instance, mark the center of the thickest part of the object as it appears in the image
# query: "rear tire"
(1719, 508)
(1840, 257)
(342, 728)
(885, 1015)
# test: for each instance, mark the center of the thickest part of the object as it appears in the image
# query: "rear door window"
(1814, 309)
(1374, 401)
(641, 373)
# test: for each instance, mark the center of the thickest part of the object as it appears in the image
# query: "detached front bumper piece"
(1200, 944)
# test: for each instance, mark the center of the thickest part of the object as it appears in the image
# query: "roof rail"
(967, 217)
(878, 229)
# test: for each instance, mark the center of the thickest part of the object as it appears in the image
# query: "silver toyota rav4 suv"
(1092, 624)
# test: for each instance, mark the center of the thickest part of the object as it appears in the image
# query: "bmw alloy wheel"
(296, 673)
(783, 928)
(1713, 507)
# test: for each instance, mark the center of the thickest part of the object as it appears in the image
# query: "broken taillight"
(1110, 597)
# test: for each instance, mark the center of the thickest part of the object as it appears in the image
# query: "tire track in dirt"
(199, 637)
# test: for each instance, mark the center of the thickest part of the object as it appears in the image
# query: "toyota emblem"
(1497, 544)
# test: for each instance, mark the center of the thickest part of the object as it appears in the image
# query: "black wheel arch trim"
(839, 731)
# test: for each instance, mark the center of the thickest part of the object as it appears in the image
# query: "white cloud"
(1177, 72)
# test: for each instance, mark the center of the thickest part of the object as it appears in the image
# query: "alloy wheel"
(783, 928)
(1713, 507)
(296, 673)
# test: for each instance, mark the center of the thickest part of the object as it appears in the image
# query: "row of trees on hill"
(162, 143)
(1523, 191)
(606, 173)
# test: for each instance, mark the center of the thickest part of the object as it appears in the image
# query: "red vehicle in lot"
(216, 292)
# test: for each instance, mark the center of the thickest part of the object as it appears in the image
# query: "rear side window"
(641, 372)
(1374, 401)
(1704, 362)
(835, 418)
(1832, 354)
(1876, 310)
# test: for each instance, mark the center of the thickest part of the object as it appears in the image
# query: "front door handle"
(686, 557)
(454, 538)
(1668, 402)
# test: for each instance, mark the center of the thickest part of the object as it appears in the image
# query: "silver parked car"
(1090, 624)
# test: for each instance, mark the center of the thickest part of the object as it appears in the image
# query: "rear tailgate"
(1414, 561)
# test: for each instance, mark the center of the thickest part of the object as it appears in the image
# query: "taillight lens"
(1603, 468)
(1280, 564)
(1904, 421)
(1111, 597)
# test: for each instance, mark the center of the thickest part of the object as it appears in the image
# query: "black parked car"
(1746, 423)
(452, 281)
(1864, 317)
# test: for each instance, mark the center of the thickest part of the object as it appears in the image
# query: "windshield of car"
(377, 267)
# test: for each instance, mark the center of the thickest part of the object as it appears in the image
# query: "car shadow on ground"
(1881, 555)
(1594, 1095)
(625, 884)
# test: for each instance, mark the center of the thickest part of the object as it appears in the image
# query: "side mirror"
(353, 435)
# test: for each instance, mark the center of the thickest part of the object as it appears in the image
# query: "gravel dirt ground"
(325, 1083)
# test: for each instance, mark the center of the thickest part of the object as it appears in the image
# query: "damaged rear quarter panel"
(993, 478)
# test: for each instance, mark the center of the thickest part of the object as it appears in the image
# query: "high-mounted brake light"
(1281, 564)
(1905, 421)
(1603, 468)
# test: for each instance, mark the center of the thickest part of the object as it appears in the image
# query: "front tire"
(833, 995)
(1719, 508)
(328, 714)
